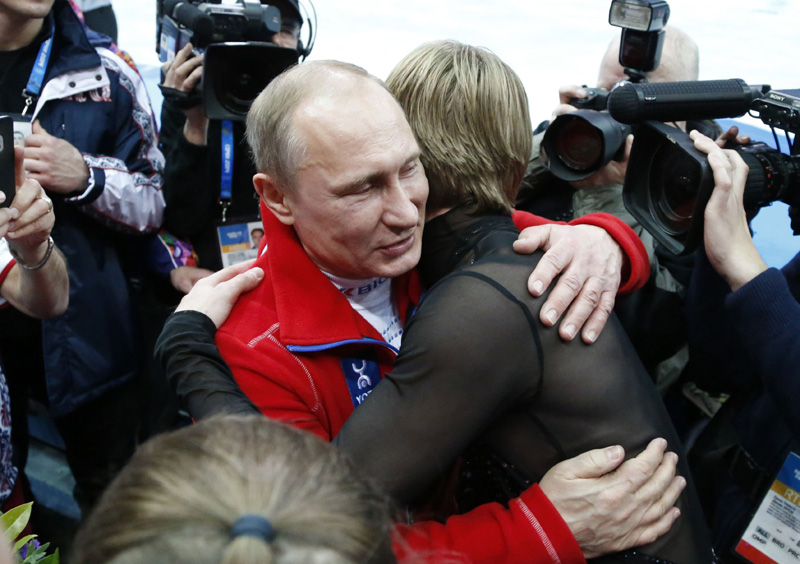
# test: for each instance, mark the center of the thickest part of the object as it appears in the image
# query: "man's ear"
(274, 197)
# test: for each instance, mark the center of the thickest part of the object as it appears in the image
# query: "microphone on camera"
(680, 101)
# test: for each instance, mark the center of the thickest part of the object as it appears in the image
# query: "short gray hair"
(275, 145)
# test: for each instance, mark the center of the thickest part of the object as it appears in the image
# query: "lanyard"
(34, 86)
(226, 180)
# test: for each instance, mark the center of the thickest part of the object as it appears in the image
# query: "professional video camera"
(669, 182)
(578, 144)
(240, 59)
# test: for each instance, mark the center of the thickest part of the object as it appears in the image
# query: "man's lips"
(399, 247)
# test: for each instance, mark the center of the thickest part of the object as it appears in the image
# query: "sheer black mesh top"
(479, 375)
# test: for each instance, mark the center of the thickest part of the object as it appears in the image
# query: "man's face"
(359, 203)
(256, 235)
(288, 35)
(32, 9)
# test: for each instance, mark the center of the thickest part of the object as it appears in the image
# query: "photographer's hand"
(566, 94)
(731, 138)
(728, 243)
(589, 262)
(184, 73)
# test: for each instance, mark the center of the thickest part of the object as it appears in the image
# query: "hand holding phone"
(7, 177)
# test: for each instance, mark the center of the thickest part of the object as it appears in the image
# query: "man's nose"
(401, 209)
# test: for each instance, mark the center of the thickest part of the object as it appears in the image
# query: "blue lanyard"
(36, 79)
(226, 180)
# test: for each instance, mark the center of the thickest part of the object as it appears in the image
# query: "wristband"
(41, 263)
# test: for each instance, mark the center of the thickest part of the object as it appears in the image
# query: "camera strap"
(226, 177)
(36, 78)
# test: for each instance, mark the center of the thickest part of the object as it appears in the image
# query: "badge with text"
(773, 535)
(362, 376)
(239, 241)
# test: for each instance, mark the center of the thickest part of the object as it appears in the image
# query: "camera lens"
(674, 183)
(579, 145)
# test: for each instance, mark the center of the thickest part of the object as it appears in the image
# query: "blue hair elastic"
(252, 525)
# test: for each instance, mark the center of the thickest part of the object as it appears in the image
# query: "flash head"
(639, 15)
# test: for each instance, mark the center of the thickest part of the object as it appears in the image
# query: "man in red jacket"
(343, 203)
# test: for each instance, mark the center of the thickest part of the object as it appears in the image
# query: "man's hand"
(728, 243)
(55, 163)
(216, 294)
(590, 263)
(27, 223)
(731, 138)
(566, 94)
(183, 278)
(611, 507)
(184, 73)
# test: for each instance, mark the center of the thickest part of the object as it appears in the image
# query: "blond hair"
(469, 112)
(182, 492)
(276, 147)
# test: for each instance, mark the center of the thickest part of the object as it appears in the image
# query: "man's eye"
(409, 169)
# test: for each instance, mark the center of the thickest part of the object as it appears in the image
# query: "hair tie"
(252, 525)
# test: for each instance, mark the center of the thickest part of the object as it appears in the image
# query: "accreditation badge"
(22, 128)
(773, 535)
(239, 240)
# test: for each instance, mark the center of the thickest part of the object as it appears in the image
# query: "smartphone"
(7, 177)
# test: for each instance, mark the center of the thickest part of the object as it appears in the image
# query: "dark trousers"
(100, 437)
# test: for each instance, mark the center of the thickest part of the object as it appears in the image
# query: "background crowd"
(132, 218)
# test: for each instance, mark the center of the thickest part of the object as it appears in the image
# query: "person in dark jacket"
(745, 335)
(196, 201)
(90, 141)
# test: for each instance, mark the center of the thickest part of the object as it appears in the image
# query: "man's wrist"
(195, 133)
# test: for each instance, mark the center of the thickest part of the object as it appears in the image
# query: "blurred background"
(548, 44)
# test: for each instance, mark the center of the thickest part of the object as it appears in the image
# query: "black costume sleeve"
(196, 370)
(189, 191)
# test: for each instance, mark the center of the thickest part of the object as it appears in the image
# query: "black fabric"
(102, 20)
(476, 366)
(192, 362)
(192, 184)
(15, 69)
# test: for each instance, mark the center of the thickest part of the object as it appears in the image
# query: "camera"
(578, 144)
(240, 59)
(669, 182)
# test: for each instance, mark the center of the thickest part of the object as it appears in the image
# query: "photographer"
(653, 317)
(193, 145)
(745, 333)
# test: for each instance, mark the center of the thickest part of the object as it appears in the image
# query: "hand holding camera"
(728, 243)
(183, 74)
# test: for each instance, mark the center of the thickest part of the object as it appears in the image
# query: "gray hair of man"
(680, 60)
(277, 149)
